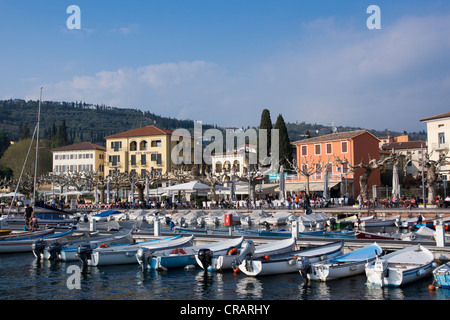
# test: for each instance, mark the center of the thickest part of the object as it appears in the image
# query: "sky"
(224, 61)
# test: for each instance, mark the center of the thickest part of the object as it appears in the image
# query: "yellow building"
(141, 149)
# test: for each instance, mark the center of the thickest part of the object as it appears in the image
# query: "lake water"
(23, 277)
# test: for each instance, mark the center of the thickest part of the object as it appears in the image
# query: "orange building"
(353, 146)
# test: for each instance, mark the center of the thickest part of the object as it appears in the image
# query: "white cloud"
(388, 78)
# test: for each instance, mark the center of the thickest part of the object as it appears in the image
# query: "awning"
(313, 186)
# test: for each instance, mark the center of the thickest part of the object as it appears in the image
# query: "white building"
(438, 136)
(239, 159)
(79, 157)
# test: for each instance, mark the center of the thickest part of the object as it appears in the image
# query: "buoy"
(236, 271)
(431, 287)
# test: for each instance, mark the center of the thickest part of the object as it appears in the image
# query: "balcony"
(114, 164)
(439, 146)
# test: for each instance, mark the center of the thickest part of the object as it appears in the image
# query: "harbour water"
(23, 277)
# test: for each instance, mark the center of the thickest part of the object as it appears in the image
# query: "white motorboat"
(67, 250)
(400, 267)
(287, 262)
(26, 244)
(182, 257)
(346, 265)
(126, 254)
(225, 262)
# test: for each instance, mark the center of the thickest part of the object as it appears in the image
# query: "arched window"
(133, 146)
(143, 145)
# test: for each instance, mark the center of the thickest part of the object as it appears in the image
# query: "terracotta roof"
(142, 131)
(439, 116)
(80, 146)
(404, 145)
(334, 136)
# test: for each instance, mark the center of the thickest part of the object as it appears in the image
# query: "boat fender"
(103, 245)
(265, 257)
(175, 251)
(292, 262)
(233, 251)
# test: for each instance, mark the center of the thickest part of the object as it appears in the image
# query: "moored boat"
(375, 236)
(345, 265)
(225, 262)
(126, 254)
(288, 262)
(67, 250)
(400, 267)
(179, 258)
(25, 244)
(441, 275)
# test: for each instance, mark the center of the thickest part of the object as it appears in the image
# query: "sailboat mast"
(37, 150)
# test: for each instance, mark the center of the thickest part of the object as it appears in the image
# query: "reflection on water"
(249, 288)
(24, 277)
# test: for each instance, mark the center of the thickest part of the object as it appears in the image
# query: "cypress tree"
(266, 123)
(285, 149)
(62, 134)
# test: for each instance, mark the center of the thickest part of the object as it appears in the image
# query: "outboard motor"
(84, 253)
(205, 257)
(304, 266)
(247, 250)
(266, 225)
(143, 256)
(38, 248)
(200, 222)
(54, 250)
(167, 220)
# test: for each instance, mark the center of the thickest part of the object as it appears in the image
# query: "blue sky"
(222, 62)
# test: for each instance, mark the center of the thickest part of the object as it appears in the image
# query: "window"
(143, 145)
(344, 168)
(156, 157)
(441, 138)
(344, 147)
(133, 160)
(156, 143)
(319, 172)
(143, 160)
(114, 160)
(329, 148)
(133, 146)
(116, 145)
(304, 150)
(317, 150)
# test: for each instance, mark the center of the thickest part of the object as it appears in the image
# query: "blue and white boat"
(67, 250)
(287, 262)
(126, 254)
(442, 276)
(345, 265)
(225, 262)
(182, 257)
(18, 244)
(400, 267)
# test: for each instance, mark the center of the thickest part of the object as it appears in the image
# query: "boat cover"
(106, 213)
(362, 254)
